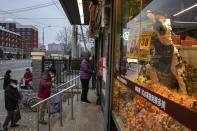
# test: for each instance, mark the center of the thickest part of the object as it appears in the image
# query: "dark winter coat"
(11, 98)
(44, 90)
(85, 68)
(7, 80)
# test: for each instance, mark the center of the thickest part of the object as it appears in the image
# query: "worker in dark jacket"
(12, 98)
(7, 79)
(85, 75)
(44, 90)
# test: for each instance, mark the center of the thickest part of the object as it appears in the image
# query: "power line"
(58, 8)
(29, 8)
(19, 17)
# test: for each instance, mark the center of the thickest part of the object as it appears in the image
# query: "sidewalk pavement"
(87, 117)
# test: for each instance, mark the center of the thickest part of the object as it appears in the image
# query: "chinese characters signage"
(154, 99)
(138, 46)
(178, 112)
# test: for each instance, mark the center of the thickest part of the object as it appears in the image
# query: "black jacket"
(11, 98)
(7, 80)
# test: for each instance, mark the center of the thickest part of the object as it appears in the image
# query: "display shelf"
(180, 113)
(186, 47)
(118, 122)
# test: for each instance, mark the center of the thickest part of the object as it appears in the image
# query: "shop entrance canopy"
(77, 11)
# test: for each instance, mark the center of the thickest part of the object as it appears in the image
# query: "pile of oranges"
(138, 114)
(177, 97)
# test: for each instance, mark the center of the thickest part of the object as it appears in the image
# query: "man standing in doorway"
(85, 75)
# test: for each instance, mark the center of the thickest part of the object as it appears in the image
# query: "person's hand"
(53, 84)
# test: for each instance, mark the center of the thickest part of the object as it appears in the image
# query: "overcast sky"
(46, 12)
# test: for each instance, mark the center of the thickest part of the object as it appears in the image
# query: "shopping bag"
(16, 115)
(54, 103)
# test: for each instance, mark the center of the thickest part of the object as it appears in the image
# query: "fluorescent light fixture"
(185, 10)
(185, 22)
(80, 6)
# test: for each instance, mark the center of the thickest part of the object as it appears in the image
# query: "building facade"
(10, 43)
(29, 34)
(55, 47)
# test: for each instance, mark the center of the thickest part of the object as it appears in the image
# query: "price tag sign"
(145, 40)
(138, 46)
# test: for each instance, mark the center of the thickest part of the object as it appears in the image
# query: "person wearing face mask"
(12, 98)
(85, 75)
(44, 90)
(28, 77)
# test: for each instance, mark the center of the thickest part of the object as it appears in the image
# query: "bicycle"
(28, 99)
(27, 95)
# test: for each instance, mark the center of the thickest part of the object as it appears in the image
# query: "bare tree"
(88, 42)
(65, 37)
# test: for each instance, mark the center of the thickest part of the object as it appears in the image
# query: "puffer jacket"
(11, 98)
(44, 90)
(85, 68)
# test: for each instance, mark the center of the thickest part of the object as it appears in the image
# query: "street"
(16, 66)
(18, 69)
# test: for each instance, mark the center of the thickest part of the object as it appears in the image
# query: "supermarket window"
(160, 44)
(156, 49)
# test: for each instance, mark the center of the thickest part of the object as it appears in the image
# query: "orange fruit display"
(138, 114)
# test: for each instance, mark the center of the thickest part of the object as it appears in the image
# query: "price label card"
(138, 46)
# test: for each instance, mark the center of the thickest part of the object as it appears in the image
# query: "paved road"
(18, 68)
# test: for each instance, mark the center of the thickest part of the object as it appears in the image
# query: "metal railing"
(60, 93)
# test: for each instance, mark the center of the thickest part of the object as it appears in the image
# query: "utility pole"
(74, 41)
(86, 49)
(43, 31)
(43, 36)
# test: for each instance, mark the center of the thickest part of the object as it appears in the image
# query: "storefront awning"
(71, 8)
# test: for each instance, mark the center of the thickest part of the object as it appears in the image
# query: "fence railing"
(60, 93)
(71, 67)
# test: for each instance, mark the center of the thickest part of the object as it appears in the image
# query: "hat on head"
(14, 81)
(27, 69)
(51, 68)
(8, 72)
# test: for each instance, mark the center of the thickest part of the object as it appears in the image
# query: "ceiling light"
(185, 10)
(80, 6)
